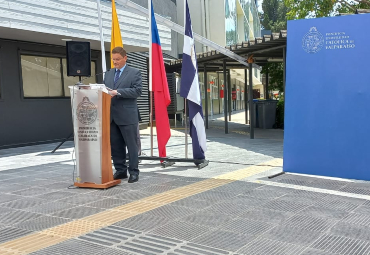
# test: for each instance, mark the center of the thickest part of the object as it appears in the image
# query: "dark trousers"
(120, 137)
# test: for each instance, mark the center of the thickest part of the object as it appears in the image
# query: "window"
(202, 91)
(47, 76)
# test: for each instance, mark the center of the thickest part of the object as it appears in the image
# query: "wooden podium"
(91, 123)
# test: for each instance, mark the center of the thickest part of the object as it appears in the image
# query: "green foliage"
(301, 9)
(274, 15)
(280, 114)
(276, 74)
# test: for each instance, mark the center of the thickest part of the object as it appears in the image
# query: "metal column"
(229, 93)
(206, 93)
(267, 85)
(246, 95)
(251, 108)
(225, 99)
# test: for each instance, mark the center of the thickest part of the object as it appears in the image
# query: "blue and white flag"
(190, 90)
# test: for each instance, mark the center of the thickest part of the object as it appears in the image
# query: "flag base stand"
(166, 161)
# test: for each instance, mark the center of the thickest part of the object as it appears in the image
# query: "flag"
(190, 90)
(116, 39)
(160, 88)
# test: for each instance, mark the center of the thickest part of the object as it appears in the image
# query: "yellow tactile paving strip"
(58, 234)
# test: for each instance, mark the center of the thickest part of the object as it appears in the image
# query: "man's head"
(119, 57)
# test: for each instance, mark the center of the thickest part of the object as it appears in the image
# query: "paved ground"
(229, 207)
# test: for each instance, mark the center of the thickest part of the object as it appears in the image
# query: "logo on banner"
(313, 41)
(87, 112)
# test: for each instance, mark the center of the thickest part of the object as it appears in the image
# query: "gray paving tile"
(9, 233)
(133, 195)
(355, 190)
(8, 197)
(213, 196)
(108, 203)
(57, 185)
(8, 188)
(238, 187)
(5, 210)
(41, 223)
(192, 248)
(81, 199)
(50, 207)
(112, 252)
(310, 251)
(352, 231)
(266, 215)
(77, 212)
(180, 230)
(225, 240)
(34, 191)
(357, 219)
(285, 206)
(143, 222)
(363, 209)
(310, 223)
(264, 193)
(340, 203)
(24, 203)
(323, 212)
(170, 212)
(17, 217)
(56, 195)
(264, 246)
(228, 208)
(291, 235)
(208, 219)
(249, 201)
(193, 204)
(294, 181)
(111, 192)
(246, 227)
(71, 247)
(341, 245)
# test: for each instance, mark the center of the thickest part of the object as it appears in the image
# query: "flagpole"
(103, 61)
(186, 118)
(150, 76)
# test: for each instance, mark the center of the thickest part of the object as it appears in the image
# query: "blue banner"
(327, 107)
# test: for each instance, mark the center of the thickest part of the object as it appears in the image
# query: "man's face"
(118, 60)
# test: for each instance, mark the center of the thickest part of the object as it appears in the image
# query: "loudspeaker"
(78, 58)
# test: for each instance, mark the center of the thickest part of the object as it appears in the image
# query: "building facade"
(34, 96)
(225, 22)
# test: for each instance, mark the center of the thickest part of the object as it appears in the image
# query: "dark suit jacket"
(124, 109)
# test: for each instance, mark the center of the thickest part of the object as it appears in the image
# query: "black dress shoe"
(133, 178)
(118, 175)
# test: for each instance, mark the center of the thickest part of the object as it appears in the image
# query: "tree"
(301, 9)
(274, 15)
(274, 18)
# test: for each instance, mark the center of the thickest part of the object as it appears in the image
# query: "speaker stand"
(71, 134)
(61, 143)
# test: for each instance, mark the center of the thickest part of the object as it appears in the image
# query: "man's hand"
(113, 93)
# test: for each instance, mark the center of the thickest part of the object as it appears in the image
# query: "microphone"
(109, 89)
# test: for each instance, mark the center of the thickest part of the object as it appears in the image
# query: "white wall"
(76, 19)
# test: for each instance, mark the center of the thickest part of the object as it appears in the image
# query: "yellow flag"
(116, 39)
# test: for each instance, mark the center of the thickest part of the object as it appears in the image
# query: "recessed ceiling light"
(66, 39)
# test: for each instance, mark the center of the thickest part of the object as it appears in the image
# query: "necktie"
(116, 77)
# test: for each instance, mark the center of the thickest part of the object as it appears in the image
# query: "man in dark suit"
(125, 82)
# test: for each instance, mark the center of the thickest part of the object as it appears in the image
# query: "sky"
(259, 3)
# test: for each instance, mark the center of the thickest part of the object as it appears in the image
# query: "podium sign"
(91, 123)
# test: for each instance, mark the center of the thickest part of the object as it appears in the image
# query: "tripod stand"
(71, 134)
